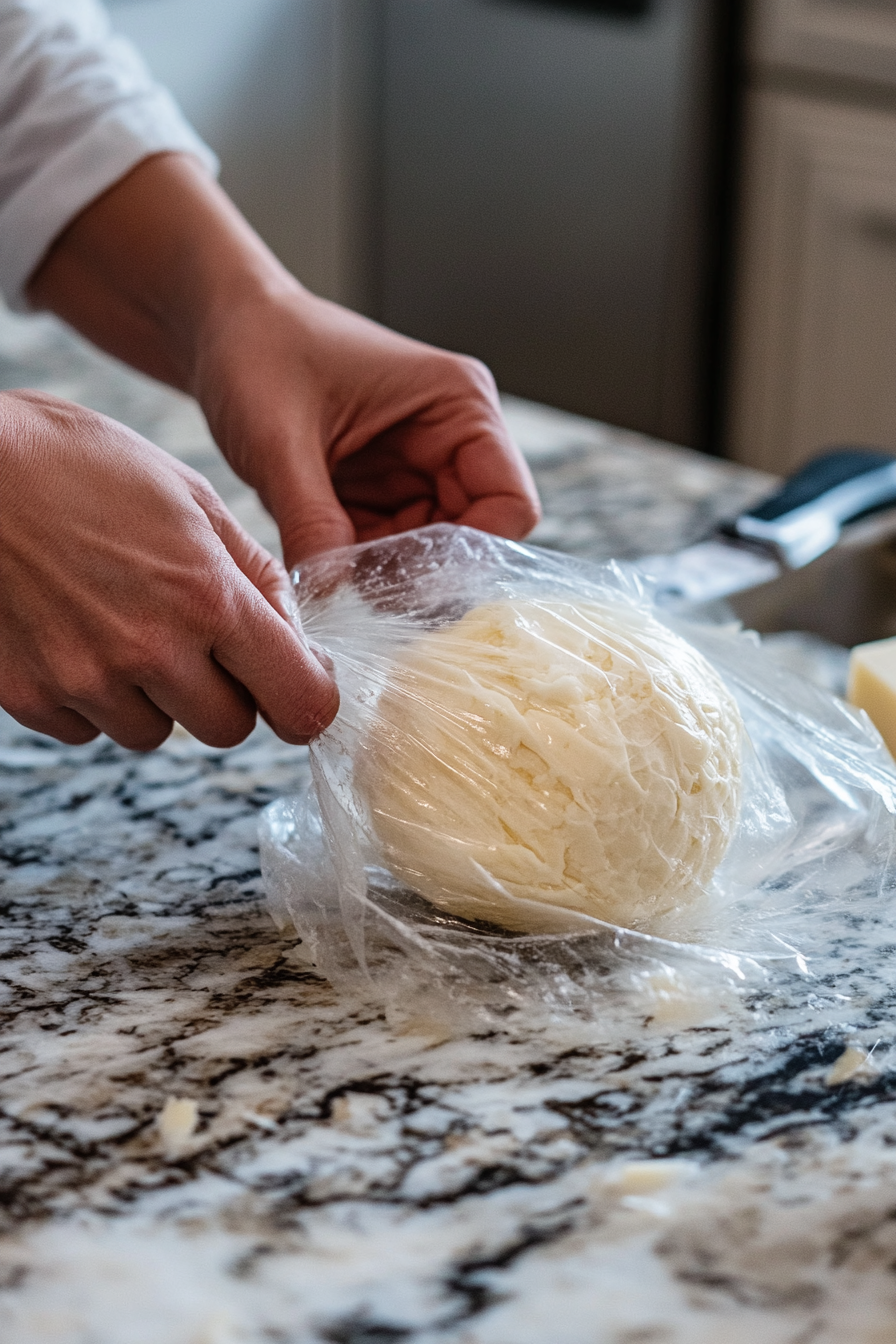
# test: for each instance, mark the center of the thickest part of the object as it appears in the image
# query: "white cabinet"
(851, 38)
(814, 346)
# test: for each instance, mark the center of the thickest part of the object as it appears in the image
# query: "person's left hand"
(349, 431)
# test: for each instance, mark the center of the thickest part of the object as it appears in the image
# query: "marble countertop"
(200, 1143)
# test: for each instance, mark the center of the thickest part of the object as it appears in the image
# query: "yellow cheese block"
(872, 686)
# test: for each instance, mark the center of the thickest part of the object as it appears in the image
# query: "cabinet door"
(854, 38)
(814, 355)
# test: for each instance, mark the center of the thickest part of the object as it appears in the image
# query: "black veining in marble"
(356, 1179)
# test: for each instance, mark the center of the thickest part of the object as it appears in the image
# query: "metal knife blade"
(707, 571)
(809, 515)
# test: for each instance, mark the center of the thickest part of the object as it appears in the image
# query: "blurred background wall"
(675, 215)
(281, 89)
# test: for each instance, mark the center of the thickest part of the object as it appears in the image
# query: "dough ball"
(566, 754)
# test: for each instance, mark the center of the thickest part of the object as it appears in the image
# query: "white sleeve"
(78, 110)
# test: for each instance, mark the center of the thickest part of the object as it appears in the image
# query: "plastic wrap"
(745, 818)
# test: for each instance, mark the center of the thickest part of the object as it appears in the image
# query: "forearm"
(149, 269)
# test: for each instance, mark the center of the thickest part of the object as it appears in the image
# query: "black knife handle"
(805, 517)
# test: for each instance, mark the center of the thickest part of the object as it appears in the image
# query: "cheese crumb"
(177, 1124)
(647, 1177)
(854, 1065)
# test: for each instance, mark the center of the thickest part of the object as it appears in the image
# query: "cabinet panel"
(852, 38)
(815, 321)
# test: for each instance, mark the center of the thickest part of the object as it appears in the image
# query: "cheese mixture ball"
(564, 754)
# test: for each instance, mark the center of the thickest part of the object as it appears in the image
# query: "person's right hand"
(130, 597)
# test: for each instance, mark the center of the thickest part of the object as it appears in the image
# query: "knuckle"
(143, 737)
(84, 684)
(204, 493)
(73, 735)
(27, 705)
(228, 732)
(54, 415)
(270, 572)
(42, 713)
(475, 375)
(219, 610)
(207, 602)
(458, 373)
(150, 658)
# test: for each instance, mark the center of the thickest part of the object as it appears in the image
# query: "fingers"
(272, 660)
(257, 656)
(128, 716)
(205, 700)
(451, 461)
(480, 478)
(261, 568)
(88, 700)
(124, 713)
(495, 479)
(262, 658)
(63, 724)
(260, 663)
(381, 497)
(308, 512)
(271, 668)
(129, 596)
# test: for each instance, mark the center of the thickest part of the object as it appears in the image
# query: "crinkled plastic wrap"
(724, 822)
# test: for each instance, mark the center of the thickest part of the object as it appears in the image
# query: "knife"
(810, 514)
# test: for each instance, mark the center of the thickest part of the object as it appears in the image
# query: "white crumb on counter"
(177, 1124)
(854, 1065)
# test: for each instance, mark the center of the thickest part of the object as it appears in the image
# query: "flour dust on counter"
(352, 1177)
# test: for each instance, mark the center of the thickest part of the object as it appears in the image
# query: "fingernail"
(324, 720)
(322, 656)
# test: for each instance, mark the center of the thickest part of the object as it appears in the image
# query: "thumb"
(308, 512)
(262, 569)
(265, 572)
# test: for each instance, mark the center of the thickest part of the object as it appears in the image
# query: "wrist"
(150, 268)
(230, 313)
(217, 272)
(255, 369)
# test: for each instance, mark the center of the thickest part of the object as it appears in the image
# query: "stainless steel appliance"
(536, 183)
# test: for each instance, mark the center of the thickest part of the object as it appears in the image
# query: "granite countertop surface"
(325, 1173)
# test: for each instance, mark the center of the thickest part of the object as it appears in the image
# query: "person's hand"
(130, 597)
(346, 430)
(349, 431)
